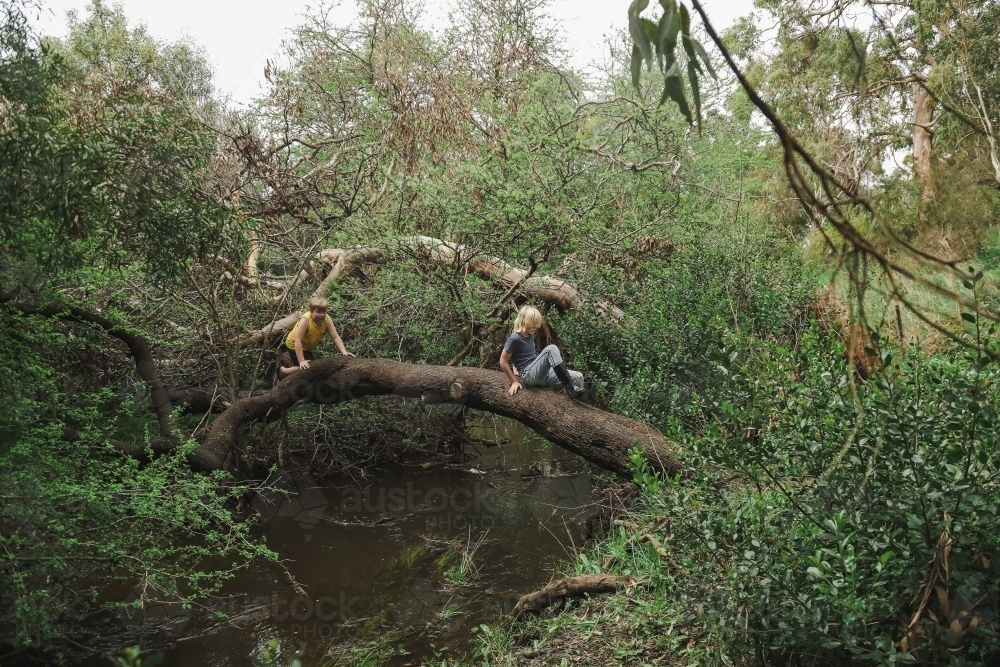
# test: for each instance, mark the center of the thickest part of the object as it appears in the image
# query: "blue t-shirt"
(522, 350)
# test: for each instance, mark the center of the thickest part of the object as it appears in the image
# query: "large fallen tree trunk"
(555, 291)
(601, 437)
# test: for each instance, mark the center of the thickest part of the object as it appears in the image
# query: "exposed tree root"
(601, 437)
(560, 589)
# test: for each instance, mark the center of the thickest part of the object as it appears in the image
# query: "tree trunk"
(923, 117)
(137, 345)
(601, 437)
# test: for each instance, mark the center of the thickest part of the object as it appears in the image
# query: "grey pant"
(539, 372)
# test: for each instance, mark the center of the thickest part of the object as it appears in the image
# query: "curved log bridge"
(601, 437)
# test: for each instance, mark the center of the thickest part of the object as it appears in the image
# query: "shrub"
(855, 520)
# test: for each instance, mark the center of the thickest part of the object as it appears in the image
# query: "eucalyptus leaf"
(637, 32)
(673, 88)
(704, 58)
(636, 67)
(695, 93)
(667, 23)
(686, 33)
(650, 29)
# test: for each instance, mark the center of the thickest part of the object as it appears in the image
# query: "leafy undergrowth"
(826, 520)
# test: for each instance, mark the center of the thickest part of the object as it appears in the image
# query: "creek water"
(419, 556)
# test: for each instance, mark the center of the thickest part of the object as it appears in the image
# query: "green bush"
(659, 363)
(73, 510)
(855, 520)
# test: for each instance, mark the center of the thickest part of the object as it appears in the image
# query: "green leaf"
(668, 23)
(670, 35)
(650, 28)
(969, 317)
(636, 66)
(695, 93)
(704, 58)
(685, 20)
(673, 89)
(686, 35)
(637, 32)
(153, 660)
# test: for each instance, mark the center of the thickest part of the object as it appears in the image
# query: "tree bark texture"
(199, 400)
(550, 290)
(601, 437)
(923, 117)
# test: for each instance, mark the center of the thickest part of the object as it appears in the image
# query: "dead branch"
(560, 293)
(137, 345)
(560, 589)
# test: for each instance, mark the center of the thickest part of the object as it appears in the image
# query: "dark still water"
(411, 555)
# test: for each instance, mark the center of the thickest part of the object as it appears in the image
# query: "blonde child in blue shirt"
(544, 369)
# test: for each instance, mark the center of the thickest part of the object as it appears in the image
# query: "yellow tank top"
(314, 334)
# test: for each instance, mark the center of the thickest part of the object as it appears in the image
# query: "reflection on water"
(426, 554)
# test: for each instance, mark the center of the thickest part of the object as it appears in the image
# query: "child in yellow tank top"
(307, 333)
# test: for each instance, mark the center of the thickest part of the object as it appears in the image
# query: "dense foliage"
(840, 501)
(829, 521)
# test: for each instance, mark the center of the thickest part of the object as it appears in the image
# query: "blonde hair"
(318, 302)
(528, 317)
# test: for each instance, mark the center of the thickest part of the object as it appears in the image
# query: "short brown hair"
(318, 302)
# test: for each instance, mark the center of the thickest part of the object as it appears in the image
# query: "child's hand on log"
(513, 388)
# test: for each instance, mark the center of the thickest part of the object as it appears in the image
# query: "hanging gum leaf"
(686, 32)
(673, 88)
(637, 32)
(704, 58)
(650, 28)
(670, 36)
(688, 40)
(695, 93)
(636, 66)
(667, 22)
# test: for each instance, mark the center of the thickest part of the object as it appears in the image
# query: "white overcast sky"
(240, 35)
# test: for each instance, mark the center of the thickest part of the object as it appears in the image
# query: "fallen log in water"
(603, 438)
